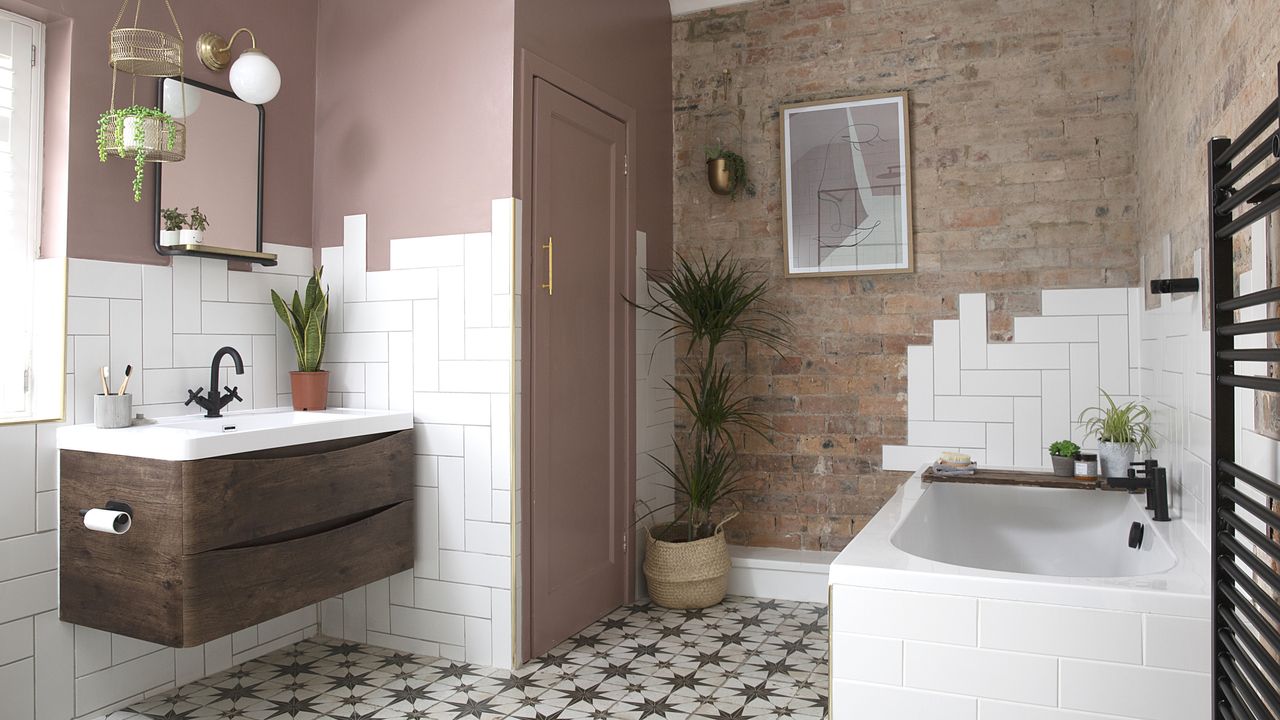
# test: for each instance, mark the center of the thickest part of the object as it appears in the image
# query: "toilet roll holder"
(114, 506)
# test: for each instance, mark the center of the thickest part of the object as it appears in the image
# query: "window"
(21, 124)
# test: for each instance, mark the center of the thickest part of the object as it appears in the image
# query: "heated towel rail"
(1244, 187)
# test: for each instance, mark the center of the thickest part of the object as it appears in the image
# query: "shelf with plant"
(144, 133)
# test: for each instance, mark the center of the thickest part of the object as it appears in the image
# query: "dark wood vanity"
(222, 543)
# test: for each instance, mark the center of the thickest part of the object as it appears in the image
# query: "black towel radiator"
(1244, 187)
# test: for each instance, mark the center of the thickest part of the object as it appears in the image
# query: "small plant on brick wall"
(727, 172)
(709, 304)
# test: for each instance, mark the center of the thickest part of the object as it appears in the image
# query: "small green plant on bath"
(307, 320)
(111, 129)
(1064, 448)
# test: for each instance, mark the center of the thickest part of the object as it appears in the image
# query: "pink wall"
(622, 47)
(102, 221)
(413, 117)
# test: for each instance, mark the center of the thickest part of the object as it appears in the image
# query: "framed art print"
(846, 172)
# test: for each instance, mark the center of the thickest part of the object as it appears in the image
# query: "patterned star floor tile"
(745, 659)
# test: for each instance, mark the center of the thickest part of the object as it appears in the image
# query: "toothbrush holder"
(112, 411)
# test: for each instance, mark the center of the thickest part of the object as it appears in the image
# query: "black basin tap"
(1149, 476)
(215, 401)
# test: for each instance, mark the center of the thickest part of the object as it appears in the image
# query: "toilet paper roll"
(108, 521)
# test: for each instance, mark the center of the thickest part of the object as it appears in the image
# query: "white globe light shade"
(254, 78)
(173, 96)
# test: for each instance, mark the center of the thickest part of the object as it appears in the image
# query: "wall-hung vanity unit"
(235, 520)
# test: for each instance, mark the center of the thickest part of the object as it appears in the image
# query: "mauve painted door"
(579, 383)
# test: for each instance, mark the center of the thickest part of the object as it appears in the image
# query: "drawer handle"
(304, 532)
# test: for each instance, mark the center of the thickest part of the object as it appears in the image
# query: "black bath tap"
(1148, 475)
(215, 401)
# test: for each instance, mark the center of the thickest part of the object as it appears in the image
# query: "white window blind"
(21, 122)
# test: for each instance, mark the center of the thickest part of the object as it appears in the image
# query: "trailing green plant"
(737, 166)
(1128, 423)
(1064, 448)
(307, 320)
(707, 304)
(173, 220)
(199, 221)
(111, 128)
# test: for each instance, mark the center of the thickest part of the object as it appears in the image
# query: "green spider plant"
(1128, 423)
(709, 303)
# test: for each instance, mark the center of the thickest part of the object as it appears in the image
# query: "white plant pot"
(169, 238)
(129, 137)
(191, 237)
(1114, 458)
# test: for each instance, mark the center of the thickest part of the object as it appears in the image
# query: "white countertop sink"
(191, 437)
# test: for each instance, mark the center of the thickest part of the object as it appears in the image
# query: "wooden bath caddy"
(988, 476)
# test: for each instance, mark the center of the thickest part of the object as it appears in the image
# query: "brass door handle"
(549, 285)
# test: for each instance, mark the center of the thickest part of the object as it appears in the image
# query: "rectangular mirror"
(220, 180)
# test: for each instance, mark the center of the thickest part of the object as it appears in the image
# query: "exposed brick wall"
(1022, 123)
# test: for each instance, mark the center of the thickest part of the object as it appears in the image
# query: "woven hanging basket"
(688, 575)
(149, 53)
(156, 144)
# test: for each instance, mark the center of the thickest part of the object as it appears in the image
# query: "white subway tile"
(124, 648)
(286, 624)
(866, 659)
(376, 389)
(186, 294)
(452, 504)
(451, 408)
(980, 673)
(17, 687)
(488, 343)
(17, 639)
(354, 616)
(55, 667)
(213, 280)
(452, 315)
(1084, 378)
(426, 345)
(451, 597)
(1113, 354)
(945, 434)
(439, 439)
(476, 476)
(946, 357)
(251, 287)
(188, 665)
(196, 351)
(999, 444)
(354, 258)
(385, 316)
(331, 617)
(157, 317)
(502, 438)
(18, 488)
(973, 331)
(997, 710)
(237, 319)
(415, 284)
(483, 376)
(28, 554)
(88, 316)
(479, 639)
(427, 625)
(92, 649)
(119, 682)
(502, 228)
(488, 537)
(423, 252)
(296, 260)
(426, 550)
(331, 259)
(1061, 631)
(1089, 301)
(402, 588)
(1028, 449)
(864, 701)
(1063, 329)
(400, 370)
(345, 377)
(378, 604)
(909, 458)
(475, 569)
(1055, 407)
(1022, 383)
(1177, 643)
(502, 629)
(973, 408)
(102, 279)
(919, 382)
(905, 615)
(1134, 691)
(1030, 356)
(478, 279)
(217, 655)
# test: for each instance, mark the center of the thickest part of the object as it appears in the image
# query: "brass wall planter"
(718, 176)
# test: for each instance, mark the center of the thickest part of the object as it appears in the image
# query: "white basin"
(191, 437)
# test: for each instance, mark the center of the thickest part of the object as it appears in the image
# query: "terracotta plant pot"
(310, 390)
(718, 176)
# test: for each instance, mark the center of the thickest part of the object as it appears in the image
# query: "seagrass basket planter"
(687, 575)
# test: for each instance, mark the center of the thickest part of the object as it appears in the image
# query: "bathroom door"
(579, 395)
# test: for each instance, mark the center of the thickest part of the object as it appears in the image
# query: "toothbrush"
(128, 372)
(105, 375)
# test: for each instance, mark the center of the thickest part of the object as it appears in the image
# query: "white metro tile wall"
(1004, 403)
(153, 318)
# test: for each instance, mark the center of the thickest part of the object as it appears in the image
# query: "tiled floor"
(746, 658)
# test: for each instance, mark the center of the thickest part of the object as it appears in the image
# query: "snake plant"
(306, 321)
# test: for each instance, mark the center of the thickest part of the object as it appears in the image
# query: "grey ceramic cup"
(113, 411)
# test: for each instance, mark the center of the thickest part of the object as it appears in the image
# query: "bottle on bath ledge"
(1121, 430)
(307, 320)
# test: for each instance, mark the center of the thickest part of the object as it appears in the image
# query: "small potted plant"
(173, 221)
(727, 172)
(1122, 431)
(1063, 454)
(139, 132)
(306, 320)
(193, 233)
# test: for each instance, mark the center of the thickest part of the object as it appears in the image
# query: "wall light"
(254, 78)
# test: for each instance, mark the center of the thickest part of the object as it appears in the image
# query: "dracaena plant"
(306, 319)
(709, 303)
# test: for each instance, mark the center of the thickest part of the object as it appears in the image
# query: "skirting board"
(779, 574)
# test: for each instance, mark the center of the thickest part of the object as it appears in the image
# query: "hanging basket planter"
(144, 135)
(148, 53)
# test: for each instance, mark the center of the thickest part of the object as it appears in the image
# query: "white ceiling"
(684, 7)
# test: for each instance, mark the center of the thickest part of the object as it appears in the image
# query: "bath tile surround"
(432, 335)
(1004, 403)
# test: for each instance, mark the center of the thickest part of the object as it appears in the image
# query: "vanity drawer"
(233, 588)
(242, 499)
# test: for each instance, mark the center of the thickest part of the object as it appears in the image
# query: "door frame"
(532, 67)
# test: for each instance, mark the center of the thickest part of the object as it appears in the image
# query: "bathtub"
(985, 602)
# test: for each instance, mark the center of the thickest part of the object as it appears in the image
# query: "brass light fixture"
(254, 78)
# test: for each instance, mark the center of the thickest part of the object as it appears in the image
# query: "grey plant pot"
(1063, 466)
(1114, 458)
